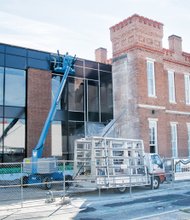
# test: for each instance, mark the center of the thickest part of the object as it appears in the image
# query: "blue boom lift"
(37, 168)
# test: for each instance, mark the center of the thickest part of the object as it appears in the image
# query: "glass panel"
(65, 149)
(71, 132)
(91, 74)
(55, 85)
(1, 139)
(79, 62)
(14, 140)
(56, 133)
(15, 87)
(93, 100)
(91, 64)
(76, 130)
(76, 94)
(1, 84)
(105, 67)
(79, 71)
(156, 161)
(106, 95)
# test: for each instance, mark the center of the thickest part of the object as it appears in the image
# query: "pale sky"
(81, 26)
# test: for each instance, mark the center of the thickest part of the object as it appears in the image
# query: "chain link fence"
(20, 187)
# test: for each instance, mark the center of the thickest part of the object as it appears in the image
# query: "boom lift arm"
(63, 65)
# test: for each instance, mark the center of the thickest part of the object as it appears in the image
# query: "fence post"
(63, 180)
(173, 172)
(21, 187)
(130, 188)
(152, 180)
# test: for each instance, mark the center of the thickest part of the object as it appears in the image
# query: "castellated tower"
(136, 31)
(133, 41)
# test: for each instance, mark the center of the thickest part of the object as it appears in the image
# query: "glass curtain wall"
(12, 114)
(87, 97)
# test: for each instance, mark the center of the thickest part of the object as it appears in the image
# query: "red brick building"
(151, 86)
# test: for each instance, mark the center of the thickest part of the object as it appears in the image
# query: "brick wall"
(134, 40)
(38, 105)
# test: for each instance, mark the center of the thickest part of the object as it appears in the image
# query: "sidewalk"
(68, 209)
(40, 209)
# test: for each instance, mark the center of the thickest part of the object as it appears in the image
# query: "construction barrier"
(16, 187)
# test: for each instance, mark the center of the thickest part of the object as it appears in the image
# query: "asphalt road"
(168, 202)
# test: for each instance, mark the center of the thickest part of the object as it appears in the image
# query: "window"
(151, 78)
(55, 86)
(56, 137)
(93, 100)
(76, 94)
(171, 86)
(174, 139)
(153, 135)
(188, 140)
(15, 87)
(187, 89)
(106, 95)
(14, 140)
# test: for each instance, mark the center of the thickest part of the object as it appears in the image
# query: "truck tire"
(25, 181)
(120, 189)
(155, 182)
(46, 183)
(68, 178)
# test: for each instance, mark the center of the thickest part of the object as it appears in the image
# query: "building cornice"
(139, 47)
(152, 106)
(176, 62)
(158, 107)
(177, 112)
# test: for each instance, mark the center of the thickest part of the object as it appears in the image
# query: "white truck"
(103, 162)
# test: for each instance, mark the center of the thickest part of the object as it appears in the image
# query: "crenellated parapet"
(136, 31)
(139, 19)
(171, 56)
(186, 56)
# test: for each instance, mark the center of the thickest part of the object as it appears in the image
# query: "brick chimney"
(175, 44)
(101, 55)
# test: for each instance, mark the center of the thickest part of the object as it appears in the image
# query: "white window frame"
(153, 128)
(171, 86)
(188, 139)
(187, 88)
(174, 140)
(151, 77)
